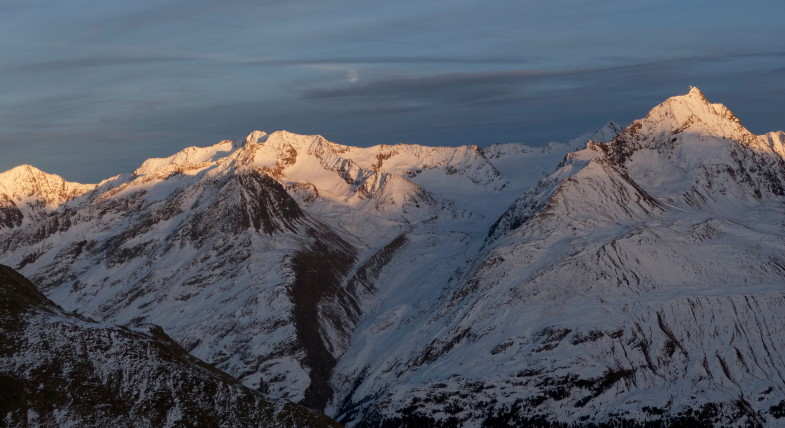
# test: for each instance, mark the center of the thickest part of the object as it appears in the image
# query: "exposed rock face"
(59, 369)
(629, 276)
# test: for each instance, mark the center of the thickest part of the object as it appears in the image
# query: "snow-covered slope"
(523, 165)
(641, 281)
(255, 255)
(217, 254)
(374, 193)
(60, 369)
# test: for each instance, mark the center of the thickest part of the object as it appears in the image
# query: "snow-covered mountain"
(217, 253)
(628, 275)
(253, 254)
(61, 369)
(27, 194)
(642, 280)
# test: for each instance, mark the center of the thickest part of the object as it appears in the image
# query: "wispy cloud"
(91, 62)
(475, 86)
(512, 84)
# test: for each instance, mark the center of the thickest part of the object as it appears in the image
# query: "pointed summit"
(690, 113)
(28, 192)
(695, 92)
(691, 103)
(25, 171)
(25, 181)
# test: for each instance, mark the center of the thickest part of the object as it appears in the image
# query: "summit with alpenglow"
(630, 276)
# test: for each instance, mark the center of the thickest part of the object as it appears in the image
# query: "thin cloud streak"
(97, 62)
(54, 66)
(488, 85)
(421, 86)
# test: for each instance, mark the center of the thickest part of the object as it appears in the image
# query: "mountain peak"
(690, 113)
(696, 93)
(693, 103)
(256, 137)
(26, 178)
(693, 99)
(28, 192)
(21, 171)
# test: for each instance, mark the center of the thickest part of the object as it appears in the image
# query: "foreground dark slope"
(58, 369)
(641, 283)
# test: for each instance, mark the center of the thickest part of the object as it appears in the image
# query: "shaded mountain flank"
(60, 369)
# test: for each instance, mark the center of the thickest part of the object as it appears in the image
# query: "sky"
(90, 89)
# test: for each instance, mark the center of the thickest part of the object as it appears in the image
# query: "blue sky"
(92, 88)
